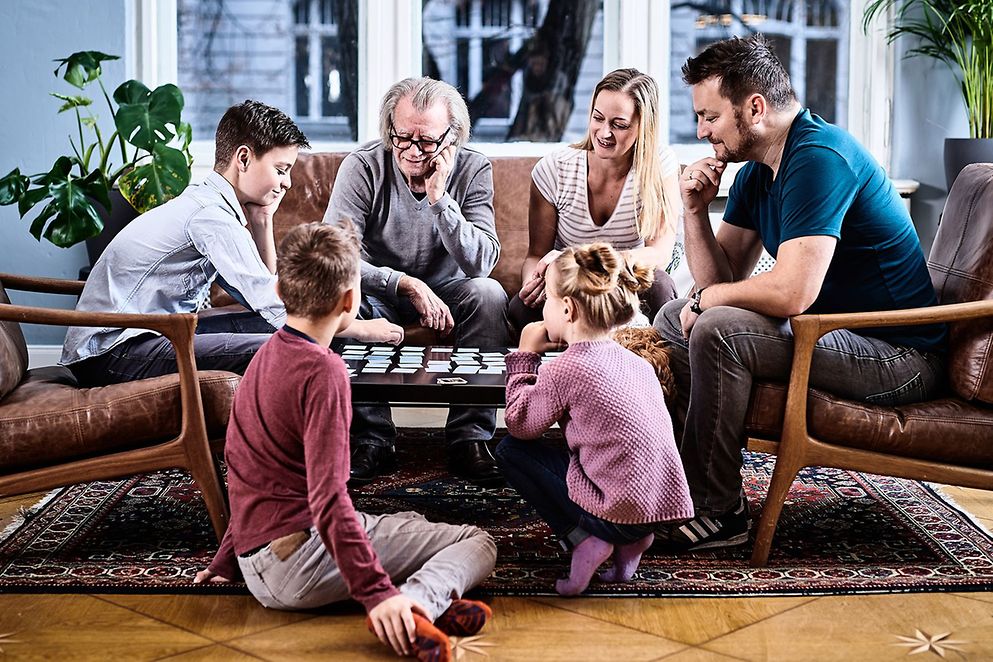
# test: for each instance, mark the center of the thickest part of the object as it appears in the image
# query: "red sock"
(430, 643)
(464, 618)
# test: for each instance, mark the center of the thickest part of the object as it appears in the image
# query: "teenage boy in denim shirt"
(167, 258)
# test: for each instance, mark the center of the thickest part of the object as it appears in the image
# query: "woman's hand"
(533, 291)
(393, 622)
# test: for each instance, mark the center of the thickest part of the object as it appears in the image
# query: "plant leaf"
(30, 198)
(143, 116)
(164, 177)
(73, 216)
(83, 67)
(13, 186)
(71, 101)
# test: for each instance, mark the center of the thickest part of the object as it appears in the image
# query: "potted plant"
(960, 34)
(78, 187)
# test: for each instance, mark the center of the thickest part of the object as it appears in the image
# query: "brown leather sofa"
(314, 174)
(948, 440)
(53, 433)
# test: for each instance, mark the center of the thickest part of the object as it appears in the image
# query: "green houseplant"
(960, 34)
(150, 171)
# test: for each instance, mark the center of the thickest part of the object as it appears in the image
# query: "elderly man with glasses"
(423, 206)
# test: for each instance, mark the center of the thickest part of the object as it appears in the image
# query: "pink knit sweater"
(624, 466)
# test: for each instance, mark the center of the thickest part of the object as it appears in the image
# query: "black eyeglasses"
(426, 146)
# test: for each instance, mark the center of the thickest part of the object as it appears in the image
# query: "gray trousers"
(436, 563)
(729, 348)
(479, 308)
(223, 342)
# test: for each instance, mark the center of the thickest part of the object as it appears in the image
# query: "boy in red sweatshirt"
(294, 534)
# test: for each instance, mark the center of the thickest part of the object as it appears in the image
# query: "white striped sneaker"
(703, 532)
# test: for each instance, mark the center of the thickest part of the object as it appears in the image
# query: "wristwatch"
(695, 301)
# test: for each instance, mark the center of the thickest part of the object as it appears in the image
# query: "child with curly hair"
(621, 473)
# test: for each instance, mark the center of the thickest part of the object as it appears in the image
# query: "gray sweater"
(451, 239)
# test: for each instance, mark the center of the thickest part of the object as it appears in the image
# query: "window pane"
(808, 36)
(298, 55)
(526, 67)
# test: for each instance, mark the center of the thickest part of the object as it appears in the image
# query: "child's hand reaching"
(209, 577)
(534, 338)
(393, 622)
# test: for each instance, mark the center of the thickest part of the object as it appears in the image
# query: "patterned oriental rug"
(841, 532)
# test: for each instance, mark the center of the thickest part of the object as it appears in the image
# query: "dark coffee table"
(431, 375)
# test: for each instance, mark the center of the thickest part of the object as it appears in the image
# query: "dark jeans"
(729, 348)
(222, 342)
(478, 306)
(652, 300)
(537, 471)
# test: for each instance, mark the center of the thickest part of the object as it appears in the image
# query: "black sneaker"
(704, 532)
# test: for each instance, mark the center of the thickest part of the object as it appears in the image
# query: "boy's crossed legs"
(436, 562)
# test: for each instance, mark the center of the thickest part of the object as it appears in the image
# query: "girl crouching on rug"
(621, 473)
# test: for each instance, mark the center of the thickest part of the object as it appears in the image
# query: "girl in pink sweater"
(621, 474)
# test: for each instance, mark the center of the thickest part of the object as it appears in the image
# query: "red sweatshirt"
(288, 461)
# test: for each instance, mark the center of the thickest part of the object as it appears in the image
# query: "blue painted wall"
(927, 108)
(32, 34)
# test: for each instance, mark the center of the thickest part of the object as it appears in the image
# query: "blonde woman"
(618, 185)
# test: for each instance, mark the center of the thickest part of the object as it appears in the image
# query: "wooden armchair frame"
(190, 450)
(796, 447)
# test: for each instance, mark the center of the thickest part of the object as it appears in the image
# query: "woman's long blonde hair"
(653, 205)
(603, 284)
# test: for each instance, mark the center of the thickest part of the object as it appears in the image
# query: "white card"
(466, 370)
(403, 371)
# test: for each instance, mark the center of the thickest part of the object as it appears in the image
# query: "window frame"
(152, 57)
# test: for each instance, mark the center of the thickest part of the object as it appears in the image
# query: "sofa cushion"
(47, 419)
(511, 195)
(947, 430)
(312, 177)
(961, 265)
(13, 352)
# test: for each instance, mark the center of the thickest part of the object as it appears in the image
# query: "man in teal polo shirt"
(818, 202)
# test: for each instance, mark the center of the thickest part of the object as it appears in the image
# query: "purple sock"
(586, 558)
(626, 559)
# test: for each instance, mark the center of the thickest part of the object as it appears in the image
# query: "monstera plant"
(150, 139)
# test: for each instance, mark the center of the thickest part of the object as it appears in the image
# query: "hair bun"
(636, 276)
(600, 265)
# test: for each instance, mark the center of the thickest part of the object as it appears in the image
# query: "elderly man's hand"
(433, 311)
(442, 164)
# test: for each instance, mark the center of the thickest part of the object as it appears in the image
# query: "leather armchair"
(948, 440)
(53, 433)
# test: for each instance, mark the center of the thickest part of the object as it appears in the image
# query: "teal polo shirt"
(829, 184)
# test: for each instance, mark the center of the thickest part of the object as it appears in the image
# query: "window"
(298, 55)
(810, 37)
(328, 62)
(526, 67)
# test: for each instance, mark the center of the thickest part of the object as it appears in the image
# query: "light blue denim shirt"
(164, 262)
